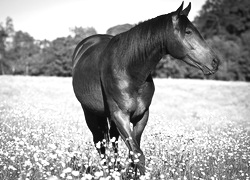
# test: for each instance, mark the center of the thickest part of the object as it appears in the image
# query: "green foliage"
(81, 33)
(57, 57)
(6, 32)
(224, 17)
(119, 29)
(235, 63)
(22, 54)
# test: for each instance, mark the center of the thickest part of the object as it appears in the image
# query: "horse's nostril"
(215, 63)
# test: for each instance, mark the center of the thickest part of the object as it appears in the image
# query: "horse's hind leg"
(114, 133)
(98, 125)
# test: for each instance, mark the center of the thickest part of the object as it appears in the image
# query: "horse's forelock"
(183, 23)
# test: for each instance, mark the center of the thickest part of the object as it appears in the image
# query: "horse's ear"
(177, 13)
(179, 10)
(186, 10)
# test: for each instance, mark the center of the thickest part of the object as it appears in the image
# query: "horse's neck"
(142, 49)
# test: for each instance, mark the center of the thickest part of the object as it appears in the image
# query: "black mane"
(140, 39)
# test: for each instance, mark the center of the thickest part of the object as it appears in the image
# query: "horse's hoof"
(141, 170)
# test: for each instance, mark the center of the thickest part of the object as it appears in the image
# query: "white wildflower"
(75, 173)
(67, 170)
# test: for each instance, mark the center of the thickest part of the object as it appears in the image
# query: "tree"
(80, 33)
(3, 35)
(224, 17)
(119, 29)
(21, 54)
(57, 56)
(6, 33)
(226, 25)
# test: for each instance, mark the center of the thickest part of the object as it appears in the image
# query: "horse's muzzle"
(214, 65)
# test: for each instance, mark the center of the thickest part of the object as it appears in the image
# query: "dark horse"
(112, 80)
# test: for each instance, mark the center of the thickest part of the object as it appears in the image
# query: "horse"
(112, 74)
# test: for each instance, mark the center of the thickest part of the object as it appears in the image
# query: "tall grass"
(44, 136)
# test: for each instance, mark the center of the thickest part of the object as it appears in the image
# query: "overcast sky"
(49, 19)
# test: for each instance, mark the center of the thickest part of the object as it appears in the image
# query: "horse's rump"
(86, 78)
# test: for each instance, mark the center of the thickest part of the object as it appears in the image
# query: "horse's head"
(188, 45)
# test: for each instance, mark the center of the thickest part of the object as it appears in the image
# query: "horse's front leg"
(122, 121)
(139, 126)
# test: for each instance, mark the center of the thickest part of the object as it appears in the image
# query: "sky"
(49, 19)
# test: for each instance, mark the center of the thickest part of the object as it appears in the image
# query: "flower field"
(196, 130)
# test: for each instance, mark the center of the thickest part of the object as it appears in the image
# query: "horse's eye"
(188, 32)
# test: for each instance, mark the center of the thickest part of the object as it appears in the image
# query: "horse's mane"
(140, 39)
(138, 42)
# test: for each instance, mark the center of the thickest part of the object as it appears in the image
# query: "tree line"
(225, 24)
(21, 54)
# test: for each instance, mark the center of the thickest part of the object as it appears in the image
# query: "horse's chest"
(141, 106)
(137, 102)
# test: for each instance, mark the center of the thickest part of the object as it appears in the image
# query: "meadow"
(196, 130)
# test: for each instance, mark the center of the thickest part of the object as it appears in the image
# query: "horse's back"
(86, 78)
(86, 44)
